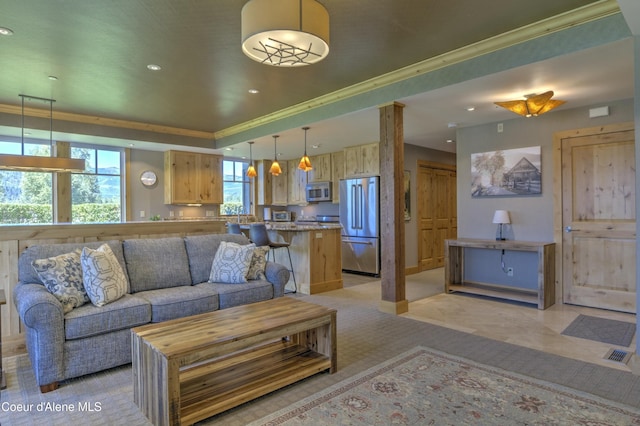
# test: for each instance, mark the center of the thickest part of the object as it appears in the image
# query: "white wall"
(531, 216)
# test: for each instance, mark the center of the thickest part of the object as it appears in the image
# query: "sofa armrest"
(43, 316)
(278, 275)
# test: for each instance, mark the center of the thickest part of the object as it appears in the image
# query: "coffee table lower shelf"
(496, 291)
(219, 385)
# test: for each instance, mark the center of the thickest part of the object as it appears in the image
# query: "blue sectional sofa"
(167, 279)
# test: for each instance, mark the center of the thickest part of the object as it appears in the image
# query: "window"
(96, 194)
(237, 188)
(25, 197)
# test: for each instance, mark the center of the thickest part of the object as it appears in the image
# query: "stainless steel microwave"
(318, 191)
(281, 216)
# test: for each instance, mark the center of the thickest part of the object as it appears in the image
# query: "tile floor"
(518, 324)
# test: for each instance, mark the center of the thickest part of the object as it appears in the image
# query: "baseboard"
(394, 308)
(411, 270)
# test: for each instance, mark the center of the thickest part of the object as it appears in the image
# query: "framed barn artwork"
(506, 172)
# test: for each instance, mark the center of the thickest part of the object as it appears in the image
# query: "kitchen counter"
(315, 253)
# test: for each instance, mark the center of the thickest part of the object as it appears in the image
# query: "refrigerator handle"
(360, 206)
(354, 224)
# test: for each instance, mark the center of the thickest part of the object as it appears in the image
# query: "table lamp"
(501, 217)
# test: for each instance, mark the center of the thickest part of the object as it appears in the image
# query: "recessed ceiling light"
(154, 67)
(53, 78)
(254, 91)
(450, 141)
(6, 31)
(315, 146)
(228, 148)
(471, 108)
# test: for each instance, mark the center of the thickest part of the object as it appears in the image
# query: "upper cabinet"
(192, 178)
(321, 171)
(297, 181)
(362, 160)
(337, 173)
(279, 186)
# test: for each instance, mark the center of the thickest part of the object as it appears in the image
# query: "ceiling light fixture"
(275, 167)
(35, 163)
(251, 171)
(154, 67)
(6, 31)
(305, 162)
(532, 105)
(285, 32)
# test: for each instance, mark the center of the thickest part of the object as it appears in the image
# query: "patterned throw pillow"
(258, 263)
(231, 263)
(62, 276)
(102, 275)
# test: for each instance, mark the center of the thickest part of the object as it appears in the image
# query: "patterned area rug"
(601, 330)
(423, 387)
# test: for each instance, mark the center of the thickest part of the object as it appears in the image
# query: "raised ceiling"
(99, 51)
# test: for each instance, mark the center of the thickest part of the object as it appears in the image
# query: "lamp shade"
(533, 105)
(501, 216)
(285, 32)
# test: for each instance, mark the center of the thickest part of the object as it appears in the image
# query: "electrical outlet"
(209, 213)
(142, 213)
(171, 214)
(500, 127)
(180, 213)
(510, 272)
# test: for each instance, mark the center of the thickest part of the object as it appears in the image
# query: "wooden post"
(62, 183)
(392, 210)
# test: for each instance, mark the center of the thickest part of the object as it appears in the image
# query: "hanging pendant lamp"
(251, 171)
(305, 162)
(36, 163)
(286, 33)
(275, 167)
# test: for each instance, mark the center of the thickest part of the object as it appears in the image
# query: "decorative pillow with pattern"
(62, 276)
(258, 263)
(231, 263)
(103, 277)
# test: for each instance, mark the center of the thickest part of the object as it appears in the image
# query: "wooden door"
(437, 215)
(599, 220)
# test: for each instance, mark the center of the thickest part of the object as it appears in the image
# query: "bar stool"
(233, 228)
(259, 236)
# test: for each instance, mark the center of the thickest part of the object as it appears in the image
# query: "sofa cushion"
(102, 275)
(89, 320)
(156, 263)
(202, 249)
(26, 273)
(62, 275)
(231, 263)
(258, 263)
(178, 302)
(231, 295)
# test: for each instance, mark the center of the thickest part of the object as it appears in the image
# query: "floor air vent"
(618, 355)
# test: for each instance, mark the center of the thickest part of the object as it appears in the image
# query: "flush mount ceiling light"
(34, 163)
(285, 33)
(251, 171)
(275, 167)
(305, 162)
(532, 105)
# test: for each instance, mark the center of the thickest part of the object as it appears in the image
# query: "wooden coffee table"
(188, 369)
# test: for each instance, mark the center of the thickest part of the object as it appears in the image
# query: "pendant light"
(251, 171)
(305, 163)
(35, 163)
(275, 167)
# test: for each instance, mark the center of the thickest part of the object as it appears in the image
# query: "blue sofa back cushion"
(26, 273)
(202, 249)
(156, 263)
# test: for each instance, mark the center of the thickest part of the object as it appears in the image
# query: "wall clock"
(148, 178)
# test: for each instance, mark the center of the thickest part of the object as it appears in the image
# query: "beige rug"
(426, 387)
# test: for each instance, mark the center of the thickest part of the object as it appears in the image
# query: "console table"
(454, 280)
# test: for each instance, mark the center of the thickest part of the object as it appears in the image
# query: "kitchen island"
(315, 254)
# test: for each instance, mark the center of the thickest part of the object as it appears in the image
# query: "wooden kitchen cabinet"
(297, 182)
(192, 178)
(337, 173)
(321, 171)
(264, 186)
(362, 160)
(279, 185)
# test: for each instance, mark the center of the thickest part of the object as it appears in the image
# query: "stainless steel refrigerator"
(359, 217)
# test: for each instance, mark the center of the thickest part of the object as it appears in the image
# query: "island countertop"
(315, 253)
